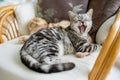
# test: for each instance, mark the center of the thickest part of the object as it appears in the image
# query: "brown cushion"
(60, 8)
(103, 9)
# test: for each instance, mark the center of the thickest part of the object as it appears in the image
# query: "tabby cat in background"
(42, 52)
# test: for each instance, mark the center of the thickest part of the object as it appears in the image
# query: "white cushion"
(104, 29)
(24, 13)
(11, 67)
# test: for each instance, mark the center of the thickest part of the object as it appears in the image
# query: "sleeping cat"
(42, 52)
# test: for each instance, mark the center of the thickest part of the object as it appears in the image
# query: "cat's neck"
(84, 34)
(70, 30)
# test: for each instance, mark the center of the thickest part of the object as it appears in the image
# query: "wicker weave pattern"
(8, 24)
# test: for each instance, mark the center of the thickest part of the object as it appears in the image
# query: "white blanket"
(11, 67)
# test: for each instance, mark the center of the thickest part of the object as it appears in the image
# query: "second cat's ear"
(90, 12)
(71, 15)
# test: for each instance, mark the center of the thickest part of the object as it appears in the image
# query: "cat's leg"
(55, 64)
(86, 49)
(51, 60)
(82, 54)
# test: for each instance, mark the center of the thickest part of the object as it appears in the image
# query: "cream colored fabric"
(11, 67)
(104, 29)
(24, 12)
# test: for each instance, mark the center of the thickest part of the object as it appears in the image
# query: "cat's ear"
(90, 12)
(71, 15)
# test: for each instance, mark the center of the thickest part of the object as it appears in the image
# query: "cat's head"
(81, 23)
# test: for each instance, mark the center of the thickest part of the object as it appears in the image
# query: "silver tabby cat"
(42, 52)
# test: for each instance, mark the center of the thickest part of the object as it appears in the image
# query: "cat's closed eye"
(87, 20)
(75, 21)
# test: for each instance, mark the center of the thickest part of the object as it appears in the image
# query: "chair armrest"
(7, 12)
(108, 53)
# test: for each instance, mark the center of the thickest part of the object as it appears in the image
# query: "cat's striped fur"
(42, 52)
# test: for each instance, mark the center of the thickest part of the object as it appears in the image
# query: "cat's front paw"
(82, 54)
(99, 47)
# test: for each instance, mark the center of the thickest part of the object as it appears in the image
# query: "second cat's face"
(81, 23)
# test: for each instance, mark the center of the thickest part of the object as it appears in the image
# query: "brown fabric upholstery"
(61, 7)
(103, 9)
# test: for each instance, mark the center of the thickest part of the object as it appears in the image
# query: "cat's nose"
(82, 22)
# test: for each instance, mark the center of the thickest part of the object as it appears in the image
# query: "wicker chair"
(8, 24)
(108, 53)
(104, 62)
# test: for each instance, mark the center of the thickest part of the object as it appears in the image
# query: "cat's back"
(53, 33)
(49, 31)
(49, 35)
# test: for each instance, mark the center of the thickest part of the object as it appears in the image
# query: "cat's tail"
(36, 66)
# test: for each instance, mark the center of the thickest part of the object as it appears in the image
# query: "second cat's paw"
(81, 54)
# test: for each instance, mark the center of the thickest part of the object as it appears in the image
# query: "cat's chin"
(82, 29)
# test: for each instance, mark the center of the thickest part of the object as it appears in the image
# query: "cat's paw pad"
(81, 54)
(99, 47)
